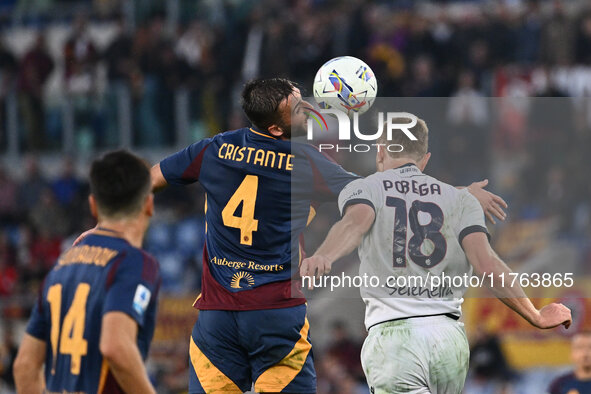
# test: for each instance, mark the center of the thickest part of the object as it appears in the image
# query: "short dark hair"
(411, 149)
(261, 97)
(119, 182)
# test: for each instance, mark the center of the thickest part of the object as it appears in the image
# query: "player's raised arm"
(158, 180)
(485, 261)
(180, 168)
(28, 366)
(344, 237)
(119, 348)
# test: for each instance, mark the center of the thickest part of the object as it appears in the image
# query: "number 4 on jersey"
(247, 195)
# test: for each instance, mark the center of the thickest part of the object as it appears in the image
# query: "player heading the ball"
(416, 342)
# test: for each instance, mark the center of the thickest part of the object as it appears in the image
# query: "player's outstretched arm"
(158, 180)
(492, 204)
(344, 237)
(485, 261)
(28, 366)
(118, 345)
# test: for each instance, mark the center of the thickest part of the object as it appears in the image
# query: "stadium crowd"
(466, 53)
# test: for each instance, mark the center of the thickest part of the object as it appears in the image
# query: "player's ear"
(424, 161)
(380, 158)
(149, 205)
(275, 131)
(93, 207)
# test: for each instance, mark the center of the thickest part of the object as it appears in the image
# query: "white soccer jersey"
(417, 234)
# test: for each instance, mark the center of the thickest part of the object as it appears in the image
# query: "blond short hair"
(411, 149)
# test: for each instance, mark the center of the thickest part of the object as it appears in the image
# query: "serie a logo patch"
(141, 299)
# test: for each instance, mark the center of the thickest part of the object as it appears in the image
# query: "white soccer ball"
(345, 83)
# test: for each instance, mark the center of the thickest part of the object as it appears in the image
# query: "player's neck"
(132, 230)
(583, 373)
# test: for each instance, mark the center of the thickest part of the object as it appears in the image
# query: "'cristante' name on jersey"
(422, 189)
(251, 265)
(256, 156)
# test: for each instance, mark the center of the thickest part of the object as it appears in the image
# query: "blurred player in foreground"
(408, 224)
(579, 380)
(252, 325)
(94, 319)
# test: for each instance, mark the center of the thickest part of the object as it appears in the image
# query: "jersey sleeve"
(359, 191)
(472, 216)
(183, 167)
(38, 325)
(132, 286)
(556, 385)
(328, 177)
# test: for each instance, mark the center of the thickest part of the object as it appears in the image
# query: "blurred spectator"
(47, 217)
(8, 198)
(194, 48)
(67, 186)
(8, 271)
(275, 49)
(487, 361)
(35, 68)
(583, 41)
(528, 33)
(80, 57)
(124, 79)
(119, 55)
(423, 82)
(45, 249)
(468, 114)
(345, 349)
(155, 55)
(8, 68)
(557, 43)
(80, 77)
(175, 376)
(579, 380)
(333, 378)
(32, 186)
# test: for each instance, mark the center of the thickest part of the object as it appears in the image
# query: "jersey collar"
(261, 133)
(405, 165)
(108, 233)
(408, 167)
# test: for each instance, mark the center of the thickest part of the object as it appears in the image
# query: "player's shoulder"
(124, 256)
(137, 259)
(375, 180)
(371, 185)
(225, 136)
(446, 188)
(232, 133)
(308, 151)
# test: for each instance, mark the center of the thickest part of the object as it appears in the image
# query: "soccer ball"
(345, 83)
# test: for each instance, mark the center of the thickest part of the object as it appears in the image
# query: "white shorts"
(416, 355)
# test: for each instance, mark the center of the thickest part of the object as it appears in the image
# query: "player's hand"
(83, 235)
(492, 204)
(553, 315)
(317, 266)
